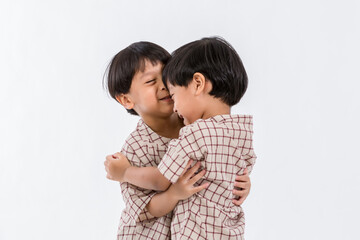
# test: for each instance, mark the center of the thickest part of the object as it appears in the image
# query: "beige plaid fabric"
(223, 145)
(143, 148)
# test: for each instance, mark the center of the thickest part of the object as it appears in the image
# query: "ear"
(125, 100)
(199, 82)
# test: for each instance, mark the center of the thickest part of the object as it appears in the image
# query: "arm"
(118, 168)
(135, 198)
(163, 203)
(146, 177)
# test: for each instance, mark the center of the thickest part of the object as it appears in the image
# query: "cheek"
(187, 103)
(148, 95)
(179, 105)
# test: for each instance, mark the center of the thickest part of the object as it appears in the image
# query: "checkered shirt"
(143, 148)
(223, 145)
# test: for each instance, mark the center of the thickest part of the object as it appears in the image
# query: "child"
(205, 78)
(134, 80)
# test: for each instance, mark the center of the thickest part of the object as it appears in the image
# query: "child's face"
(185, 103)
(149, 94)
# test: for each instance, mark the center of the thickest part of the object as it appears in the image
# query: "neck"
(214, 107)
(164, 126)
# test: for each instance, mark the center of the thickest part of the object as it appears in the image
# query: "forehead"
(173, 88)
(148, 69)
(170, 86)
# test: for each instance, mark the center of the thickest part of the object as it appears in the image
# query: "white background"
(57, 122)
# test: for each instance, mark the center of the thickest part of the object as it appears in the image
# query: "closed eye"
(150, 81)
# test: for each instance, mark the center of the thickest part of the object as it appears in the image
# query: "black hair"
(127, 62)
(217, 60)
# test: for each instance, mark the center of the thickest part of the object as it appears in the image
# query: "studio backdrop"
(58, 123)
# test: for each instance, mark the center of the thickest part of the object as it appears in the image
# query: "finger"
(192, 170)
(117, 155)
(242, 178)
(108, 176)
(239, 193)
(197, 177)
(186, 168)
(238, 202)
(199, 188)
(110, 158)
(240, 185)
(243, 184)
(247, 185)
(107, 161)
(189, 164)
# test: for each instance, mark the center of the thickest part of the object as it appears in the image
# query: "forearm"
(165, 202)
(146, 177)
(162, 203)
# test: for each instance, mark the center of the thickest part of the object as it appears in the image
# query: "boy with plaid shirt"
(134, 80)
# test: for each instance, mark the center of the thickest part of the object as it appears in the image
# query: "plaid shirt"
(143, 148)
(223, 145)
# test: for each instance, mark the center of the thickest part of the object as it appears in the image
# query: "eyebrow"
(147, 74)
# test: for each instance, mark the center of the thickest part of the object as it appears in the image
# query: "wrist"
(127, 173)
(172, 194)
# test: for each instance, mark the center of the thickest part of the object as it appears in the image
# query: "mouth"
(166, 98)
(180, 116)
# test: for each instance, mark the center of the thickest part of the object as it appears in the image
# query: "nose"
(162, 86)
(174, 108)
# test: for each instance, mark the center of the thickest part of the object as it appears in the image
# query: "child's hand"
(184, 187)
(115, 166)
(242, 187)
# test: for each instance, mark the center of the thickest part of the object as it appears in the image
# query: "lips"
(166, 98)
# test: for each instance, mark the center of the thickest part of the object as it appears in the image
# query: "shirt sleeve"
(250, 160)
(134, 197)
(189, 145)
(248, 154)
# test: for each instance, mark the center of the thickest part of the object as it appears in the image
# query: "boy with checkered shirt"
(134, 80)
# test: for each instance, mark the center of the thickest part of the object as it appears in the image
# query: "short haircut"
(127, 62)
(217, 60)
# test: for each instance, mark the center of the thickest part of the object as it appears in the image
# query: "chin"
(168, 114)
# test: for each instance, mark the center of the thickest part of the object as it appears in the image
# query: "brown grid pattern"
(143, 148)
(223, 145)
